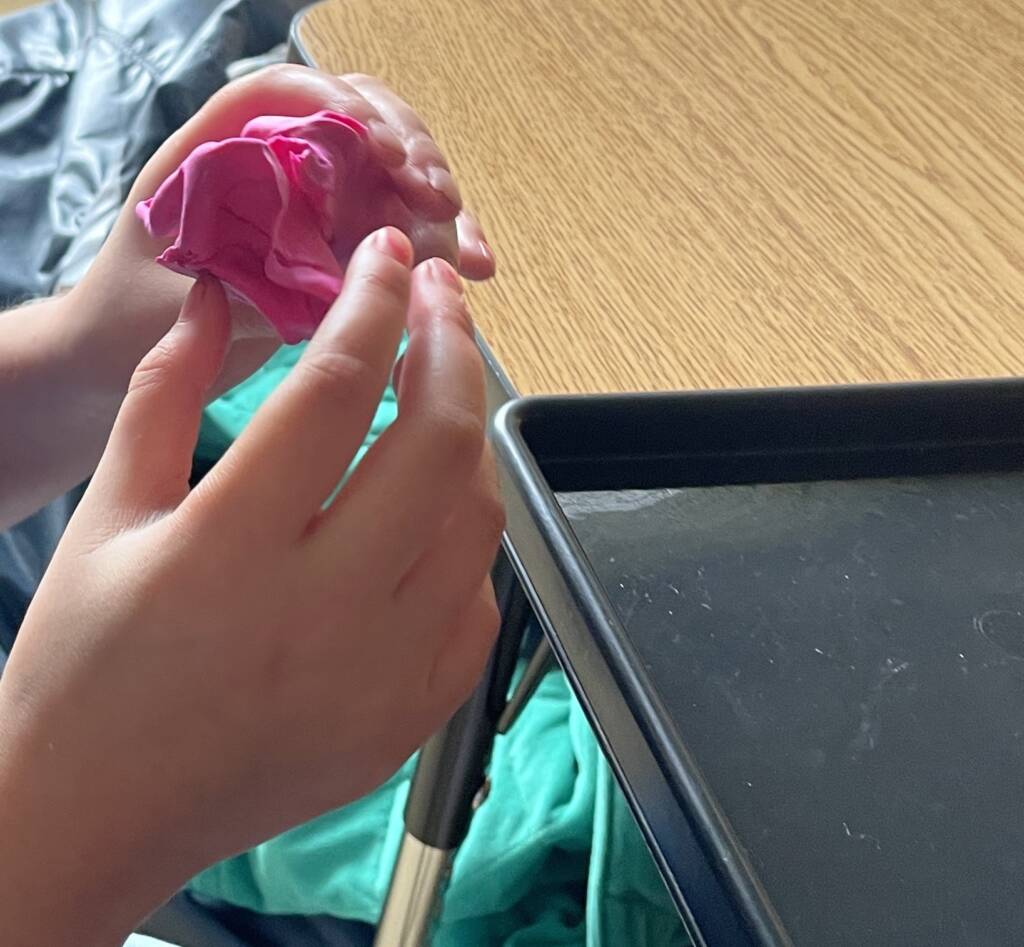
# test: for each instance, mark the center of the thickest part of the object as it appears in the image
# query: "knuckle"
(251, 84)
(280, 70)
(336, 376)
(225, 95)
(386, 282)
(152, 370)
(424, 149)
(457, 312)
(490, 519)
(271, 80)
(359, 78)
(275, 74)
(458, 432)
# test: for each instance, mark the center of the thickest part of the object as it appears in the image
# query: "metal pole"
(450, 782)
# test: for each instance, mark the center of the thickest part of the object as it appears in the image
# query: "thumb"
(148, 459)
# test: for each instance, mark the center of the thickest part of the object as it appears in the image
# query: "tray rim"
(573, 607)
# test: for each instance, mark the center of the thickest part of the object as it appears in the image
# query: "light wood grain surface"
(703, 193)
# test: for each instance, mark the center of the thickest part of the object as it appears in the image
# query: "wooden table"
(705, 193)
(711, 193)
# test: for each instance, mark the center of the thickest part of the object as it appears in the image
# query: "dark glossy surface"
(845, 662)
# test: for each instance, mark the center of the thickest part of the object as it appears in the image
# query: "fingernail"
(442, 181)
(386, 138)
(443, 272)
(395, 244)
(485, 249)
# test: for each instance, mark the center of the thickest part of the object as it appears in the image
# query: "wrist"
(125, 303)
(117, 313)
(70, 871)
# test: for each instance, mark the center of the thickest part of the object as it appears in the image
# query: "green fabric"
(224, 419)
(553, 857)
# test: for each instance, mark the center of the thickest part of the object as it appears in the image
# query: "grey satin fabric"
(88, 90)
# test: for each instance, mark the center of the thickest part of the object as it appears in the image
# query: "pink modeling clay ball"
(266, 214)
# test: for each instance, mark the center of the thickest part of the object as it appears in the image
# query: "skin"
(65, 362)
(202, 669)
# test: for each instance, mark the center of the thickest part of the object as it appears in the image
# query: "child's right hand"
(202, 670)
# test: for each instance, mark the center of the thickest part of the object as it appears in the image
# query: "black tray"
(800, 643)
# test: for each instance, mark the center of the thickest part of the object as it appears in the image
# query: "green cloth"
(224, 419)
(553, 856)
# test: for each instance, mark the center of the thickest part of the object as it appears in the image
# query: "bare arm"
(65, 363)
(176, 628)
(62, 378)
(121, 774)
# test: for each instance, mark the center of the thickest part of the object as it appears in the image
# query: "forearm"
(75, 867)
(51, 893)
(65, 363)
(54, 413)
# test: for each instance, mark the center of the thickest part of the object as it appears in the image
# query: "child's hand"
(130, 301)
(200, 671)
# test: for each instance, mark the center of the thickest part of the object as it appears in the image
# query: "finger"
(148, 460)
(457, 667)
(476, 258)
(301, 441)
(386, 143)
(430, 454)
(424, 178)
(276, 90)
(448, 573)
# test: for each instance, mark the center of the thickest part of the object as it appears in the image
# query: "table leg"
(450, 782)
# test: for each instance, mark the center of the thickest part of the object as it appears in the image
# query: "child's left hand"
(128, 301)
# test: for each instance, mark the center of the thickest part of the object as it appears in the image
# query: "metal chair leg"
(450, 782)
